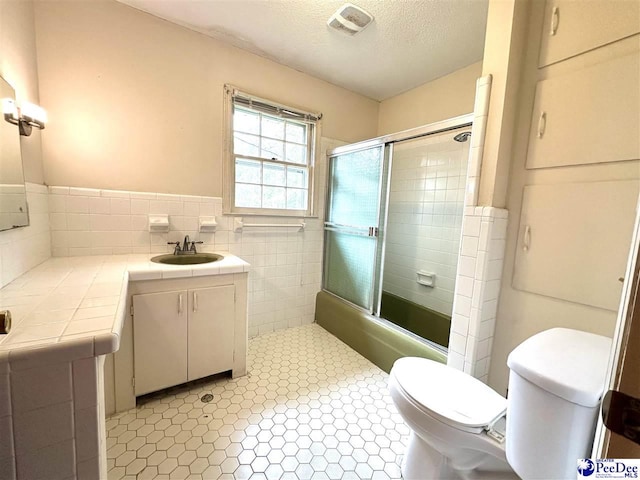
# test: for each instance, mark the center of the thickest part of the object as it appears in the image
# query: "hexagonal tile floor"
(310, 408)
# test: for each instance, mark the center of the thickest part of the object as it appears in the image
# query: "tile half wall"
(285, 262)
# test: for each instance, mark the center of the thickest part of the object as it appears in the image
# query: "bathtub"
(375, 339)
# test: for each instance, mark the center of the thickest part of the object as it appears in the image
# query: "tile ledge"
(97, 342)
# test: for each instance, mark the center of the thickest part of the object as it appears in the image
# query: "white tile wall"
(425, 217)
(23, 248)
(480, 262)
(100, 222)
(286, 264)
(477, 290)
(12, 200)
(480, 116)
(52, 421)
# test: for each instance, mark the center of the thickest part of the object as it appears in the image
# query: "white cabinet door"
(587, 116)
(160, 340)
(574, 240)
(572, 27)
(211, 317)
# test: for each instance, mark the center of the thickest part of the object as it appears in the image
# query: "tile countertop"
(74, 307)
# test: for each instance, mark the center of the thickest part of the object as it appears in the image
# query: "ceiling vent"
(350, 19)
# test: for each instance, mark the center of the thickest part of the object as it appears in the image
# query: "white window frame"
(313, 120)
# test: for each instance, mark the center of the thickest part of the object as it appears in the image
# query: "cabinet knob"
(542, 124)
(180, 303)
(5, 322)
(526, 241)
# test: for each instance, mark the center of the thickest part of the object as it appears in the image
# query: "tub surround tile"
(480, 263)
(480, 116)
(475, 307)
(425, 215)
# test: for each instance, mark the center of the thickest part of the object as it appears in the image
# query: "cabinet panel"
(160, 339)
(588, 116)
(572, 27)
(211, 331)
(574, 241)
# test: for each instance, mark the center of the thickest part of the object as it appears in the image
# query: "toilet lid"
(451, 396)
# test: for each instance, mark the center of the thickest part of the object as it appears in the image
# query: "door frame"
(620, 371)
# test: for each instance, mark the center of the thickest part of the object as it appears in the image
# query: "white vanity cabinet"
(210, 331)
(159, 341)
(181, 336)
(178, 330)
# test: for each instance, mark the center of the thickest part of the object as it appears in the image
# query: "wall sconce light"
(26, 117)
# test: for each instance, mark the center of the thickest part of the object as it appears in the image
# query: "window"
(271, 150)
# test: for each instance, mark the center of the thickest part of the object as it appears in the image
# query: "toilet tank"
(556, 381)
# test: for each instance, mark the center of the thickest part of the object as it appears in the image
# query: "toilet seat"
(458, 399)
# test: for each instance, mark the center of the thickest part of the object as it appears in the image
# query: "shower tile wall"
(425, 217)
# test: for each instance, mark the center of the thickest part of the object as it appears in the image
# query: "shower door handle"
(351, 229)
(343, 225)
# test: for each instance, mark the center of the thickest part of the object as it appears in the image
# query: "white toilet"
(458, 426)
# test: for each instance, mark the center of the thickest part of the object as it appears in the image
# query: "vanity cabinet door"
(211, 331)
(160, 340)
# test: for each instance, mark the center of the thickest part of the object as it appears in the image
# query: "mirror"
(13, 196)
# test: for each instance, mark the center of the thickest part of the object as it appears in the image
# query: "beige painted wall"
(443, 98)
(18, 66)
(507, 26)
(135, 102)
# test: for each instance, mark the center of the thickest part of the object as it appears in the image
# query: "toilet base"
(421, 461)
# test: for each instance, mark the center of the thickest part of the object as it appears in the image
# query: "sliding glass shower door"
(352, 225)
(393, 227)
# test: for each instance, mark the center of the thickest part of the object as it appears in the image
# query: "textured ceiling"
(409, 43)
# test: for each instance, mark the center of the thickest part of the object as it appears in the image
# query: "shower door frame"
(373, 232)
(387, 141)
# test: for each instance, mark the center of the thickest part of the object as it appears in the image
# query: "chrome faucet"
(188, 247)
(176, 250)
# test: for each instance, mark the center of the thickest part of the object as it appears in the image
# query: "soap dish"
(207, 224)
(158, 223)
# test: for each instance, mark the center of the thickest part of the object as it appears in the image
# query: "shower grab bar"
(238, 225)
